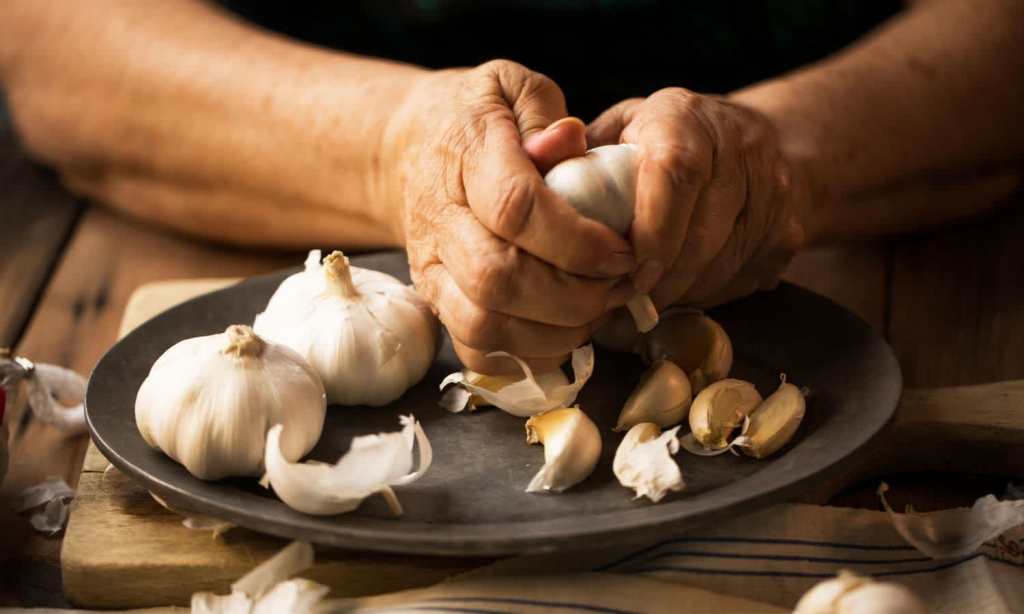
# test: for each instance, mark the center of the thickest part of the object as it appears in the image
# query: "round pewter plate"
(472, 501)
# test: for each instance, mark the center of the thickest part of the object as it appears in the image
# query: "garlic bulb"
(719, 409)
(662, 397)
(373, 464)
(209, 401)
(643, 461)
(774, 422)
(368, 335)
(601, 185)
(695, 342)
(572, 447)
(850, 593)
(523, 397)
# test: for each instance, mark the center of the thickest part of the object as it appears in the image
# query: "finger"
(607, 128)
(726, 265)
(491, 331)
(501, 277)
(507, 194)
(677, 152)
(566, 138)
(478, 361)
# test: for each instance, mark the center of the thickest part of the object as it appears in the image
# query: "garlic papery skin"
(572, 447)
(373, 464)
(643, 461)
(526, 396)
(720, 408)
(850, 593)
(209, 401)
(773, 422)
(601, 185)
(662, 397)
(695, 342)
(368, 335)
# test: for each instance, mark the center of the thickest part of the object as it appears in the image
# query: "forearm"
(916, 124)
(176, 112)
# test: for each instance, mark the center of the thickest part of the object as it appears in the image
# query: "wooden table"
(951, 301)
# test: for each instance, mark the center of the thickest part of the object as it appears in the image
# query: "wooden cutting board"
(122, 549)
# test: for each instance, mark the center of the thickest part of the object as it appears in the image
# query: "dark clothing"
(598, 51)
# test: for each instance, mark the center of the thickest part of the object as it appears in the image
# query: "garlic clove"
(572, 447)
(619, 334)
(695, 342)
(662, 397)
(850, 593)
(643, 461)
(527, 396)
(773, 422)
(373, 464)
(720, 408)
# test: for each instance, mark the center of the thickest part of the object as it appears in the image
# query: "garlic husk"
(209, 401)
(695, 342)
(369, 336)
(849, 593)
(773, 422)
(458, 398)
(601, 185)
(720, 408)
(373, 464)
(643, 461)
(572, 447)
(527, 396)
(662, 397)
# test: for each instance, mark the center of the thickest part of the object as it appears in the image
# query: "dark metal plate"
(472, 500)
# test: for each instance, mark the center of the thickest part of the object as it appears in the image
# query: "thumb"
(566, 138)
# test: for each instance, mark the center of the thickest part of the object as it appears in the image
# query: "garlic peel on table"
(525, 397)
(662, 397)
(601, 185)
(209, 401)
(643, 461)
(373, 464)
(572, 447)
(368, 335)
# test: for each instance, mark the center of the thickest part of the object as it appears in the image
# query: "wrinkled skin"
(719, 209)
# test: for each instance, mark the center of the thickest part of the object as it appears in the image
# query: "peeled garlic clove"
(719, 409)
(695, 342)
(662, 397)
(373, 464)
(850, 593)
(773, 422)
(572, 447)
(527, 396)
(643, 461)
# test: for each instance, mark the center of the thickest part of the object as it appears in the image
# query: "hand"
(719, 209)
(505, 263)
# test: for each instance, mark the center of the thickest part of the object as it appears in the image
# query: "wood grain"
(853, 275)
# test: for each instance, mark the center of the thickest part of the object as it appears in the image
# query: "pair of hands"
(508, 265)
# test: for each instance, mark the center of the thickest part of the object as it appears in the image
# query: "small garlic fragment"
(773, 422)
(572, 447)
(849, 593)
(662, 397)
(525, 396)
(695, 342)
(719, 409)
(373, 464)
(643, 461)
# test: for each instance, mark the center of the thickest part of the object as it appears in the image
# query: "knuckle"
(685, 164)
(513, 206)
(493, 279)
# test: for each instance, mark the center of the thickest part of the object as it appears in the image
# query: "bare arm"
(178, 113)
(918, 123)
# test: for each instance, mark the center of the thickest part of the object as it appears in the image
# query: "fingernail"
(565, 120)
(647, 276)
(618, 263)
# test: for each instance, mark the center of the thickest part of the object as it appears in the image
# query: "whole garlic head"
(368, 335)
(209, 401)
(849, 593)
